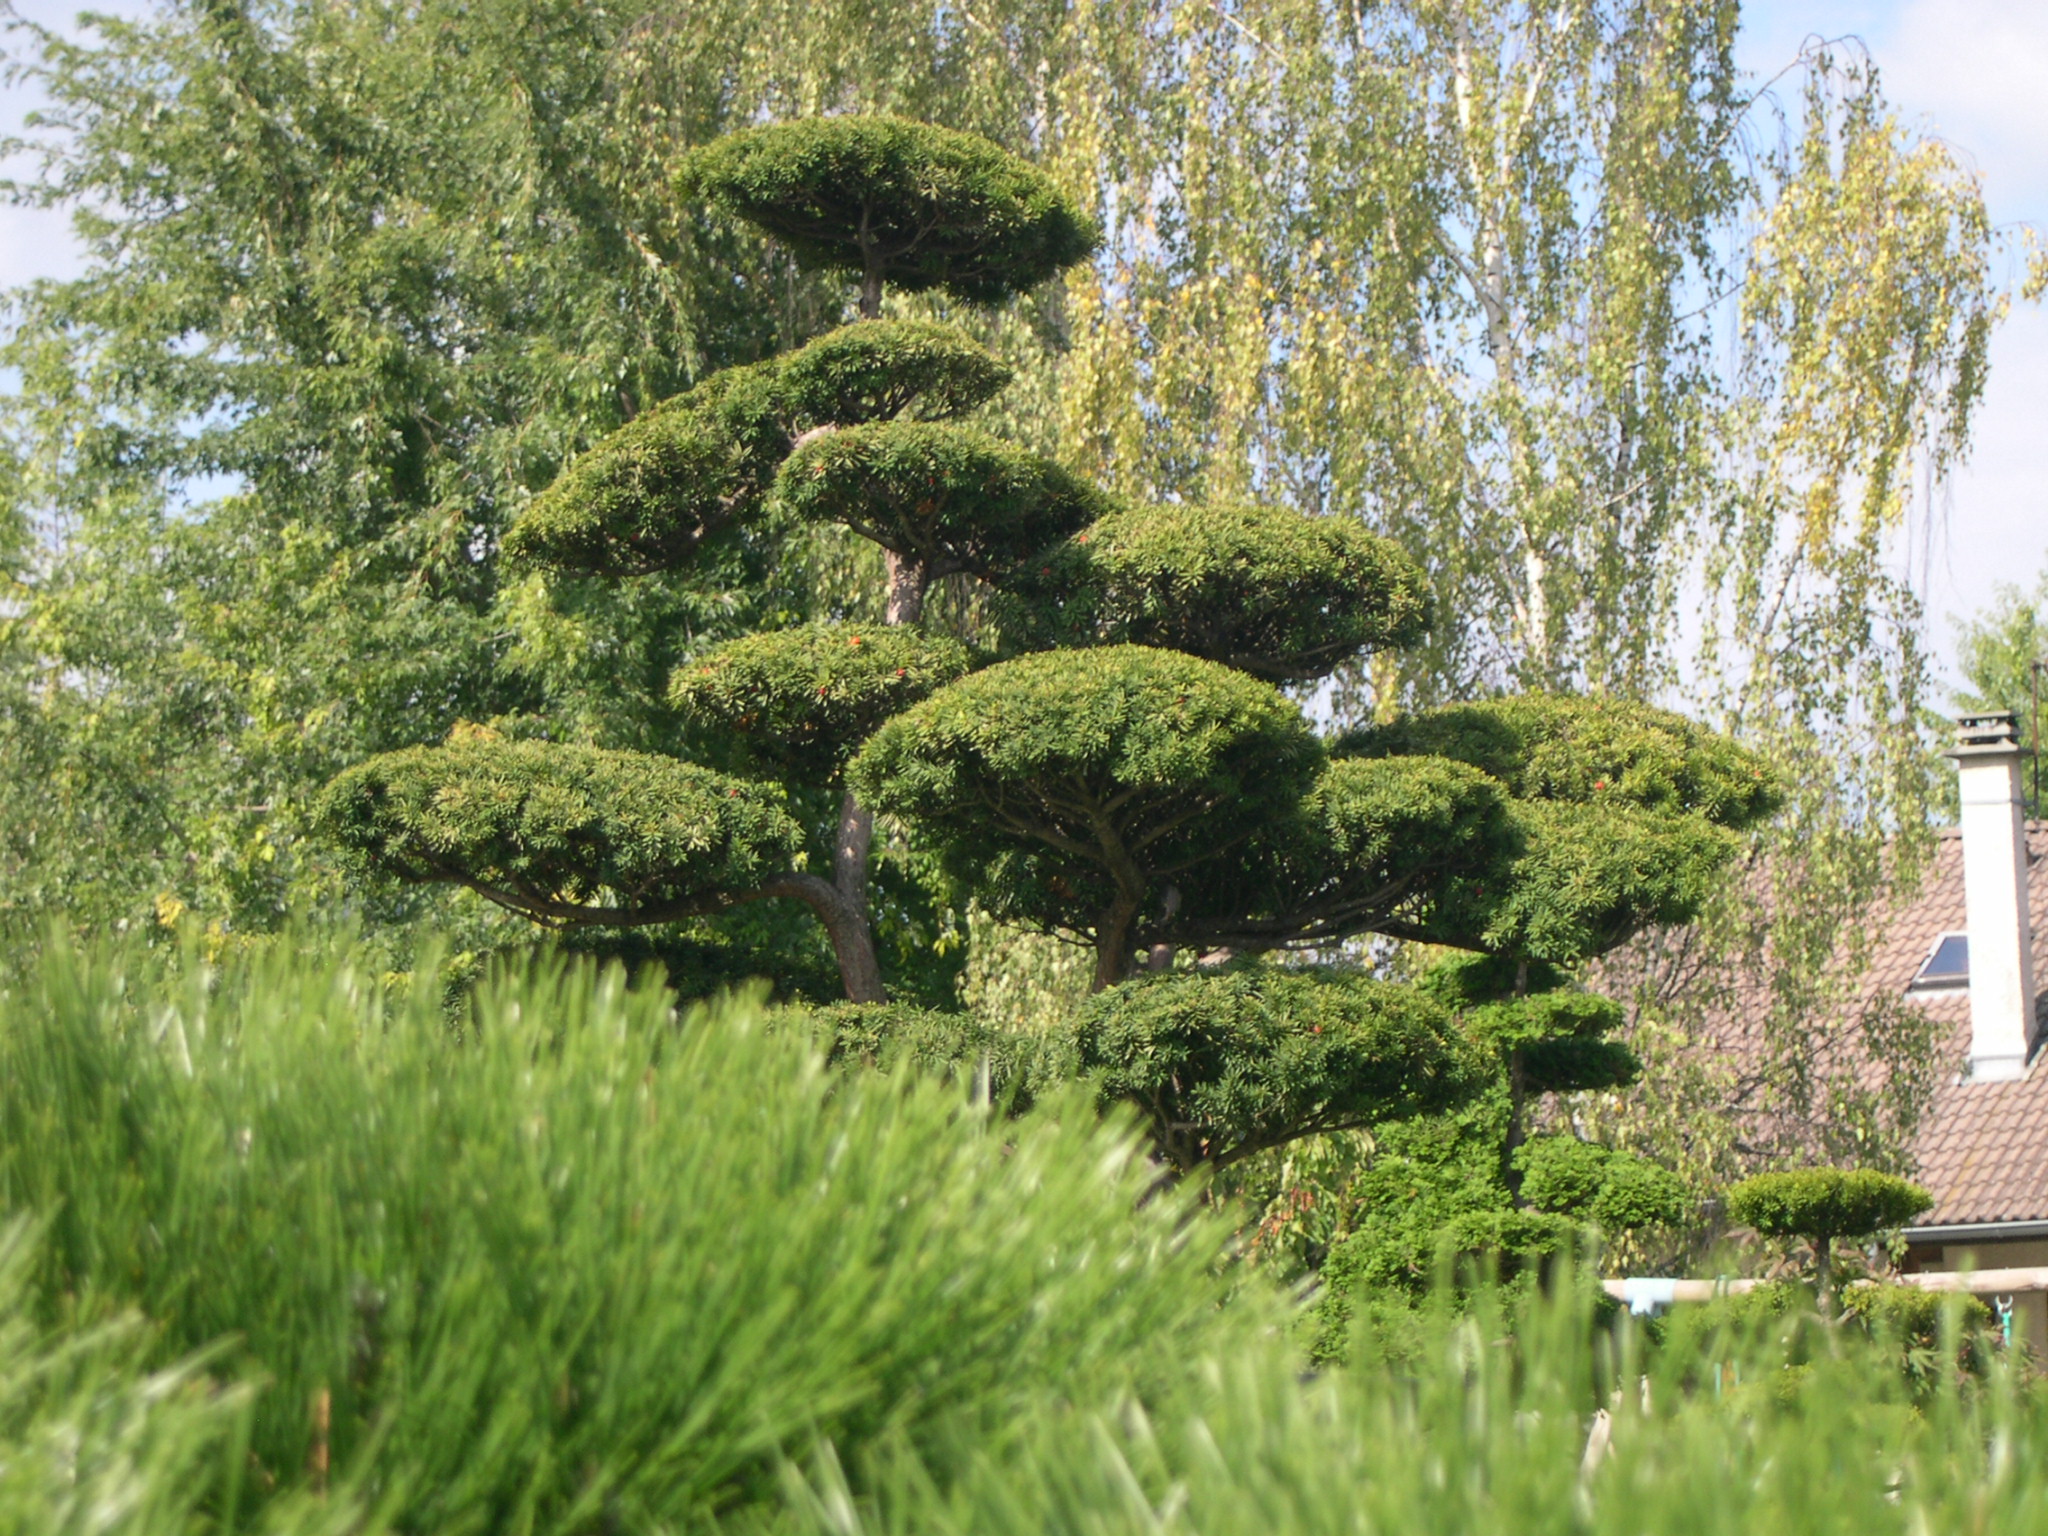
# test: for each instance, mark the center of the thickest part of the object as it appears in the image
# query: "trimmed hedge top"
(644, 498)
(923, 207)
(878, 370)
(806, 698)
(1038, 775)
(1260, 588)
(1226, 1063)
(954, 499)
(551, 829)
(1826, 1203)
(1588, 751)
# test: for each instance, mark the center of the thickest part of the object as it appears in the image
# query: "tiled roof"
(1980, 1148)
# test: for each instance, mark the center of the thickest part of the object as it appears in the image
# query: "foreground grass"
(586, 1265)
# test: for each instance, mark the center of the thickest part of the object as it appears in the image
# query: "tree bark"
(1518, 1097)
(905, 602)
(846, 924)
(1113, 944)
(850, 879)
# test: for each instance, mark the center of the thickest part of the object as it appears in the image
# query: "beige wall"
(2030, 1309)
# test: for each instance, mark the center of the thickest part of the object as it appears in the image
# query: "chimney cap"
(1988, 733)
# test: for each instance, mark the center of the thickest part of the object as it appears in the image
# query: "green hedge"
(922, 206)
(805, 699)
(541, 825)
(1260, 588)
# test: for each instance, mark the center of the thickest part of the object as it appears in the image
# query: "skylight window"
(1946, 965)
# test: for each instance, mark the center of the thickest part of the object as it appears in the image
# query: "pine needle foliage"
(582, 1261)
(805, 699)
(587, 1261)
(885, 199)
(1257, 587)
(550, 828)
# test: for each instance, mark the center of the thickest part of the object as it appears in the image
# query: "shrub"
(1820, 1205)
(1263, 589)
(878, 197)
(1224, 1065)
(538, 826)
(805, 699)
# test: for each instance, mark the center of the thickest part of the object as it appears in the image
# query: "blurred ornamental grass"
(308, 1254)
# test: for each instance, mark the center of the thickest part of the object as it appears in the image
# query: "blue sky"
(1973, 72)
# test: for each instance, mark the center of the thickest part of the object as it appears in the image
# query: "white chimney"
(1988, 757)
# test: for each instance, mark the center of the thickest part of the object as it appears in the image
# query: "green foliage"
(1467, 980)
(1375, 843)
(1562, 1173)
(1259, 588)
(1419, 1232)
(1617, 1190)
(1559, 1040)
(1225, 1064)
(880, 370)
(1589, 878)
(805, 699)
(950, 498)
(93, 1441)
(646, 497)
(1997, 652)
(1601, 751)
(881, 198)
(563, 832)
(1623, 818)
(596, 1262)
(1003, 1067)
(1935, 1335)
(1067, 782)
(1826, 1203)
(588, 1260)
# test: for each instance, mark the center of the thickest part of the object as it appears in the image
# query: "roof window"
(1946, 965)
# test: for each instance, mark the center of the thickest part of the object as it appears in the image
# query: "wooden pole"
(1976, 1282)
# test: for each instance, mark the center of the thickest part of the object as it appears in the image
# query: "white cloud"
(1978, 69)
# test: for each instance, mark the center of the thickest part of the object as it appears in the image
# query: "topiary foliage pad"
(1616, 1189)
(1588, 751)
(563, 832)
(1223, 1064)
(1043, 777)
(920, 206)
(647, 496)
(806, 698)
(878, 370)
(1260, 588)
(1374, 841)
(948, 497)
(1826, 1203)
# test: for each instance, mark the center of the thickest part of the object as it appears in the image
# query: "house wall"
(2030, 1309)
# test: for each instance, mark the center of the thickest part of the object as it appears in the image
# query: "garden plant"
(1111, 756)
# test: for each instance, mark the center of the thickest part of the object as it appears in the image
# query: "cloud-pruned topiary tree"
(1820, 1206)
(1118, 764)
(860, 428)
